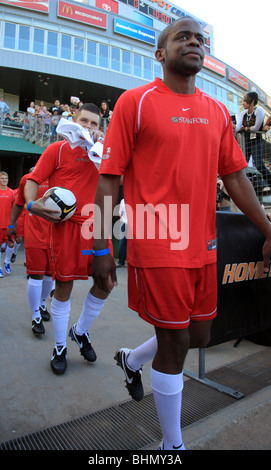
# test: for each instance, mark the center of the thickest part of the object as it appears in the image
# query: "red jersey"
(72, 169)
(170, 149)
(6, 202)
(35, 227)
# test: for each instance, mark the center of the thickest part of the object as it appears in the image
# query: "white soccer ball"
(63, 200)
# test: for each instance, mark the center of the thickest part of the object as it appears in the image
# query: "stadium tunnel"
(34, 85)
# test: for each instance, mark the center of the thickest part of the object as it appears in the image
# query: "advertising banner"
(244, 302)
(214, 65)
(34, 5)
(82, 14)
(134, 31)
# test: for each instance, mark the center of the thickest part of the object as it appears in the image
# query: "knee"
(63, 290)
(199, 336)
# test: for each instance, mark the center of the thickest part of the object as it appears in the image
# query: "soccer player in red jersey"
(6, 201)
(170, 140)
(36, 230)
(71, 169)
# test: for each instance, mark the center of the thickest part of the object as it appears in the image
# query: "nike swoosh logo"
(186, 109)
(178, 447)
(66, 211)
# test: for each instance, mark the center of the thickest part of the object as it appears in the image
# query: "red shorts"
(171, 297)
(65, 251)
(37, 262)
(3, 236)
(20, 226)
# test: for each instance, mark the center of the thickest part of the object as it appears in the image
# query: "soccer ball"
(63, 200)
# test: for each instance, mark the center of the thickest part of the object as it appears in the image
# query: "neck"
(184, 85)
(3, 188)
(251, 108)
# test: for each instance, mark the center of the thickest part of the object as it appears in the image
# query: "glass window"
(52, 44)
(91, 53)
(126, 62)
(9, 35)
(219, 91)
(206, 85)
(147, 72)
(212, 88)
(115, 59)
(199, 82)
(103, 56)
(224, 94)
(66, 47)
(38, 44)
(79, 49)
(24, 33)
(137, 65)
(157, 69)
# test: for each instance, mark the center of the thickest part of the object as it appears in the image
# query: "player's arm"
(103, 267)
(15, 214)
(242, 193)
(37, 206)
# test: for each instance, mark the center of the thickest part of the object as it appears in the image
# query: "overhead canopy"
(19, 146)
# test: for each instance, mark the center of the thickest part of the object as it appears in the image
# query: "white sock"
(16, 247)
(60, 312)
(142, 354)
(167, 392)
(34, 287)
(47, 285)
(91, 309)
(9, 252)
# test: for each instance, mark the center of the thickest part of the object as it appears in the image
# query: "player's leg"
(60, 311)
(93, 304)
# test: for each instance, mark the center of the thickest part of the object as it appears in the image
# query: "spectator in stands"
(104, 110)
(250, 121)
(30, 114)
(56, 106)
(67, 112)
(54, 121)
(7, 120)
(267, 125)
(4, 108)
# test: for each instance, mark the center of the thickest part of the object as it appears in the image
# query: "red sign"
(214, 65)
(81, 14)
(35, 5)
(108, 5)
(238, 78)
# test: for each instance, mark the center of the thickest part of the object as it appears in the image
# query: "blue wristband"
(29, 206)
(11, 226)
(106, 251)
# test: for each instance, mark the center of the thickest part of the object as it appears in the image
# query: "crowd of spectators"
(39, 118)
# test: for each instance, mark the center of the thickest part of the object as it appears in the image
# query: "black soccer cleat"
(37, 327)
(84, 344)
(132, 378)
(45, 315)
(59, 360)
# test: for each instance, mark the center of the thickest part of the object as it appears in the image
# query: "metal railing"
(256, 147)
(38, 129)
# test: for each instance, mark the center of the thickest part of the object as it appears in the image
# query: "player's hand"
(104, 272)
(96, 134)
(11, 234)
(38, 208)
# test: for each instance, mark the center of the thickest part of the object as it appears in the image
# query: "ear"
(160, 55)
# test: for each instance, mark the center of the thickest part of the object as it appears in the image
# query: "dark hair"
(91, 107)
(251, 96)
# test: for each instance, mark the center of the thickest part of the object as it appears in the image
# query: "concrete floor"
(33, 398)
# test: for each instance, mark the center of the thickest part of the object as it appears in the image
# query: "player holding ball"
(69, 168)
